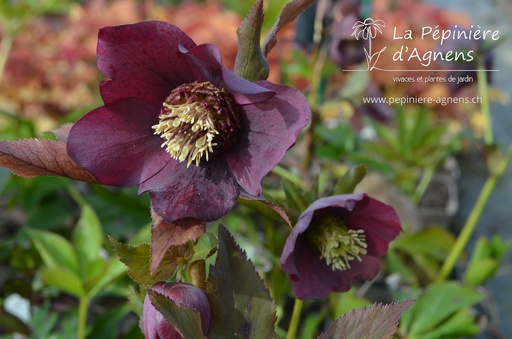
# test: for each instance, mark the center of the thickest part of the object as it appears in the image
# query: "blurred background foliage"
(56, 264)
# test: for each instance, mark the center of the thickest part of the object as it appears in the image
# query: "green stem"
(294, 322)
(83, 305)
(426, 178)
(474, 216)
(5, 48)
(483, 91)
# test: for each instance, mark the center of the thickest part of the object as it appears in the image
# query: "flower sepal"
(175, 310)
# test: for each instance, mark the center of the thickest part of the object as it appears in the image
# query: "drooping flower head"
(155, 326)
(180, 125)
(336, 240)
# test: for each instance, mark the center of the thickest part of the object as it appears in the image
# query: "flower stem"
(83, 305)
(474, 216)
(483, 91)
(294, 322)
(5, 48)
(197, 273)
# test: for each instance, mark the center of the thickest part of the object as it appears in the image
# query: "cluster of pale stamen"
(178, 138)
(339, 245)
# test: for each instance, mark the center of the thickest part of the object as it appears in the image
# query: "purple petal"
(379, 221)
(142, 60)
(116, 143)
(205, 192)
(245, 92)
(269, 129)
(312, 278)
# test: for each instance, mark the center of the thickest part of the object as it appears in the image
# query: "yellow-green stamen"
(338, 244)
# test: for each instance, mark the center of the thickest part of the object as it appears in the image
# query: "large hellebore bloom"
(180, 125)
(336, 240)
(155, 326)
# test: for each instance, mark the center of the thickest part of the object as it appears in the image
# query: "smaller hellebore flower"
(181, 126)
(155, 326)
(336, 240)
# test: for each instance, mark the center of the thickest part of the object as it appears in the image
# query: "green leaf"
(64, 279)
(138, 260)
(240, 303)
(88, 239)
(113, 270)
(348, 182)
(295, 198)
(54, 249)
(434, 242)
(205, 247)
(290, 11)
(250, 63)
(184, 319)
(438, 303)
(461, 324)
(374, 322)
(266, 208)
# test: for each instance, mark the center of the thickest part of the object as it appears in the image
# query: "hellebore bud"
(155, 326)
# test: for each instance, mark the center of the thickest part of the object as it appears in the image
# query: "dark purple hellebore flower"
(336, 240)
(155, 326)
(180, 125)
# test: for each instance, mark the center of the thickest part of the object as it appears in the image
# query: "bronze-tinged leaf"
(267, 208)
(250, 63)
(290, 11)
(376, 321)
(62, 132)
(165, 234)
(241, 305)
(35, 157)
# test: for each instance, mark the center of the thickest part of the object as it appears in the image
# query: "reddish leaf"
(266, 208)
(241, 305)
(165, 234)
(35, 157)
(62, 132)
(377, 321)
(289, 13)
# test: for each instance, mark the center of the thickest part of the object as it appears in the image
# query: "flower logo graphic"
(367, 30)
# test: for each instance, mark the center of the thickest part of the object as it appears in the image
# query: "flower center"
(337, 243)
(198, 121)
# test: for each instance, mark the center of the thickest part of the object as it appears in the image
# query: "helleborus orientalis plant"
(199, 137)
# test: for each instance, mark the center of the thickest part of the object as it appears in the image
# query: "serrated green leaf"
(348, 182)
(250, 63)
(137, 259)
(184, 319)
(54, 249)
(64, 279)
(376, 321)
(240, 303)
(205, 246)
(439, 302)
(87, 239)
(267, 209)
